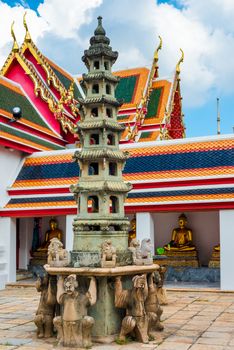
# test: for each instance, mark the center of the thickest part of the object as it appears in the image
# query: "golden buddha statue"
(53, 232)
(132, 232)
(181, 239)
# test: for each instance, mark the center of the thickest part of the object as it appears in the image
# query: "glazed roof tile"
(160, 162)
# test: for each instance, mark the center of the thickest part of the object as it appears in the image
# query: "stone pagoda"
(101, 191)
(90, 285)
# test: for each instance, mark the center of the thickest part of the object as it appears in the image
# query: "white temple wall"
(7, 250)
(69, 232)
(226, 251)
(145, 227)
(10, 161)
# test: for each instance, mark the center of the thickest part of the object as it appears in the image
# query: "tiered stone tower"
(101, 190)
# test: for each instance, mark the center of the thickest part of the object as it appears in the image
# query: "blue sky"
(203, 29)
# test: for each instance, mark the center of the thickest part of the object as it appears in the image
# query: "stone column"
(69, 232)
(226, 220)
(145, 227)
(8, 250)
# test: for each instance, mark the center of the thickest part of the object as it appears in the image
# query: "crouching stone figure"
(152, 307)
(74, 326)
(46, 309)
(133, 300)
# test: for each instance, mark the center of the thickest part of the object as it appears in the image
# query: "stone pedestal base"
(178, 259)
(215, 259)
(107, 317)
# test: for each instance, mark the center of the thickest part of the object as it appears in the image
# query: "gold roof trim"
(27, 35)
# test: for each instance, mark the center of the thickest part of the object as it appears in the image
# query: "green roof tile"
(153, 104)
(125, 88)
(67, 82)
(26, 136)
(10, 99)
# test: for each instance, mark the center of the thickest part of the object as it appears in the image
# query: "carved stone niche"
(74, 325)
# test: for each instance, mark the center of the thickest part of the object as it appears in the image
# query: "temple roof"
(48, 97)
(186, 174)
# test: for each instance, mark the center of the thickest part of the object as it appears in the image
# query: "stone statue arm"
(146, 289)
(151, 282)
(122, 297)
(51, 295)
(60, 289)
(92, 292)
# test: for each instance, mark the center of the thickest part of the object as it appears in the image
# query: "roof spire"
(27, 35)
(180, 61)
(15, 47)
(218, 118)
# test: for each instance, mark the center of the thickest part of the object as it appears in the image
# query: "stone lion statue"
(57, 256)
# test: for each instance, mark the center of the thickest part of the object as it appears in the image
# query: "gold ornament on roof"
(158, 48)
(27, 35)
(180, 61)
(15, 47)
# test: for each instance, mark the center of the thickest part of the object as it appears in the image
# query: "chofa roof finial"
(179, 62)
(158, 48)
(27, 35)
(15, 46)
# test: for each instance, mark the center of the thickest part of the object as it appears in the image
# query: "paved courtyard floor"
(193, 320)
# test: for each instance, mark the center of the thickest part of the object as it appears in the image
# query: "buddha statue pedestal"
(180, 259)
(215, 258)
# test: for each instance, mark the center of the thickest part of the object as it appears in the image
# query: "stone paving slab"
(193, 320)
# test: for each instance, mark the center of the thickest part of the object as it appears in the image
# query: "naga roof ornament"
(15, 47)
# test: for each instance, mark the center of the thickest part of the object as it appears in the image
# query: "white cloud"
(66, 19)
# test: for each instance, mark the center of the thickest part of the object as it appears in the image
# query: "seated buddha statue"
(181, 239)
(53, 232)
(132, 232)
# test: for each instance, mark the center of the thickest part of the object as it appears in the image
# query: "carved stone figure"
(46, 309)
(141, 255)
(152, 307)
(108, 254)
(57, 256)
(74, 325)
(136, 251)
(133, 300)
(159, 280)
(146, 247)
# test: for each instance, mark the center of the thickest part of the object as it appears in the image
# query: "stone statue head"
(146, 247)
(70, 284)
(55, 245)
(135, 243)
(139, 282)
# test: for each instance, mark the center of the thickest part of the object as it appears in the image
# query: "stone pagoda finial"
(99, 30)
(15, 47)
